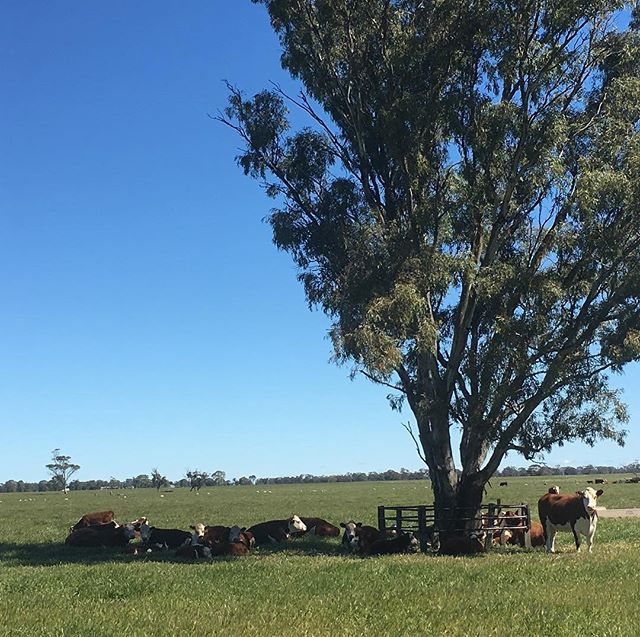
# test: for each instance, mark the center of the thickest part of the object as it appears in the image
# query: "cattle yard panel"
(421, 519)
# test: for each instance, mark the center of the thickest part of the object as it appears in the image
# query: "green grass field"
(307, 587)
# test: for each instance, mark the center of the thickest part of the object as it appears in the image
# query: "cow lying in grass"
(462, 544)
(403, 543)
(101, 535)
(276, 530)
(319, 527)
(171, 538)
(91, 519)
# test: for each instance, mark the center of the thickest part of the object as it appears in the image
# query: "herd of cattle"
(576, 512)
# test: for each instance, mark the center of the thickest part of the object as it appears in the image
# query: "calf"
(235, 549)
(193, 551)
(242, 536)
(504, 483)
(358, 537)
(518, 536)
(462, 544)
(320, 527)
(172, 538)
(101, 535)
(198, 533)
(575, 512)
(89, 519)
(215, 534)
(403, 543)
(600, 481)
(276, 530)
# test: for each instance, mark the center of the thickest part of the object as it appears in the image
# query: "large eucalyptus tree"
(465, 206)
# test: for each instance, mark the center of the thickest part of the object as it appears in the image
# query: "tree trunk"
(457, 498)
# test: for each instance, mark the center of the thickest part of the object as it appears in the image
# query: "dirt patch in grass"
(619, 513)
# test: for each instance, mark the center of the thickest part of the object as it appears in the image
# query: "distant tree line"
(198, 479)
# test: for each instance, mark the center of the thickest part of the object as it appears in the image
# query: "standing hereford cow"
(569, 512)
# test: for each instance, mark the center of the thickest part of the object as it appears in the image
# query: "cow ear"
(192, 527)
(599, 492)
(343, 525)
(358, 523)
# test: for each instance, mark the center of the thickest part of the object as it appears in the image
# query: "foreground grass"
(308, 587)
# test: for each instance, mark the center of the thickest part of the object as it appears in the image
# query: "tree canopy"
(464, 207)
(61, 468)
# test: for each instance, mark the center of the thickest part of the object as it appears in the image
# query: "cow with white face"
(276, 530)
(357, 537)
(576, 513)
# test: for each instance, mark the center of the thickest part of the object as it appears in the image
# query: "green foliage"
(61, 468)
(464, 207)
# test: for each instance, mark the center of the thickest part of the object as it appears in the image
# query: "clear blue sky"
(147, 320)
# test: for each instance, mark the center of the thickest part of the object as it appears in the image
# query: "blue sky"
(147, 318)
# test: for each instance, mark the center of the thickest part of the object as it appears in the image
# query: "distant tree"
(219, 478)
(158, 480)
(142, 481)
(11, 486)
(197, 479)
(61, 468)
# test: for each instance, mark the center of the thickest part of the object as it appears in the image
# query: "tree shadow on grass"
(48, 554)
(52, 554)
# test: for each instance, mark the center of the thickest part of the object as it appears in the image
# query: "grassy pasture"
(308, 587)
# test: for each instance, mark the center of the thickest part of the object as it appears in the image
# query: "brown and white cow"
(89, 519)
(239, 535)
(276, 530)
(358, 536)
(576, 513)
(518, 537)
(214, 534)
(320, 527)
(234, 549)
(101, 535)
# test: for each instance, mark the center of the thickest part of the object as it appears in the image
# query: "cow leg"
(551, 537)
(576, 537)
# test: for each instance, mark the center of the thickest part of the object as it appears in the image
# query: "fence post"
(422, 528)
(488, 540)
(381, 519)
(527, 533)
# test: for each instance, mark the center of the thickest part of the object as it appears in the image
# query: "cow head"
(145, 532)
(296, 525)
(198, 529)
(411, 542)
(349, 537)
(128, 531)
(234, 533)
(590, 499)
